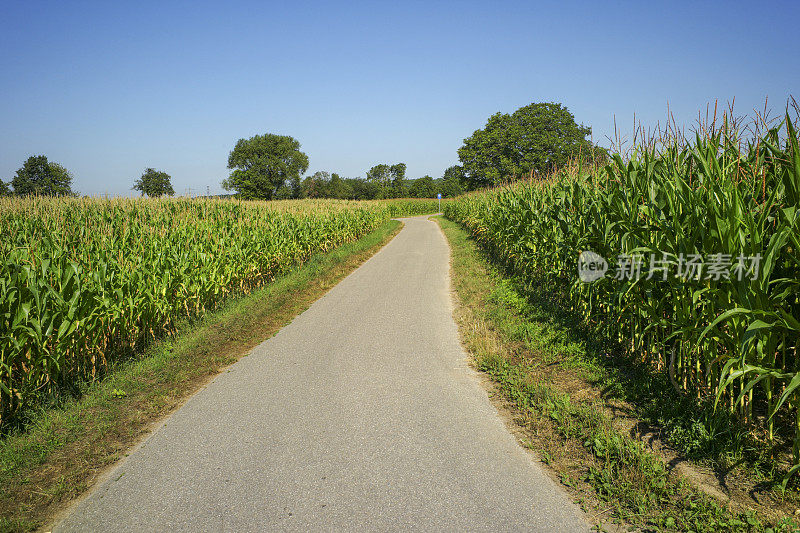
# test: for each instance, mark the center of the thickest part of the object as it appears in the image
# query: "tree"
(450, 188)
(536, 138)
(262, 164)
(364, 190)
(296, 187)
(398, 177)
(316, 185)
(452, 182)
(389, 178)
(381, 176)
(4, 190)
(154, 183)
(423, 188)
(37, 176)
(284, 192)
(455, 172)
(338, 188)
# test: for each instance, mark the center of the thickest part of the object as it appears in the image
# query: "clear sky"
(110, 88)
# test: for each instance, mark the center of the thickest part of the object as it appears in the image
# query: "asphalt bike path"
(362, 414)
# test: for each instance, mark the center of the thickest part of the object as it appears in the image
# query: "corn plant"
(84, 282)
(731, 338)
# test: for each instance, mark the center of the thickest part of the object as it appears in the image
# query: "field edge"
(67, 449)
(571, 438)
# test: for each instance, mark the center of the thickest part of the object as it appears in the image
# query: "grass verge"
(65, 448)
(541, 375)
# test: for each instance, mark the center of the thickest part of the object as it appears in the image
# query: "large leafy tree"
(534, 139)
(4, 189)
(154, 183)
(38, 176)
(262, 164)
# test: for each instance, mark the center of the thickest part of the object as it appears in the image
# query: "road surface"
(362, 414)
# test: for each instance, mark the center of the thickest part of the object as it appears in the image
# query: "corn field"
(729, 198)
(85, 281)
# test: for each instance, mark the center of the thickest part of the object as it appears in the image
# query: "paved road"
(362, 414)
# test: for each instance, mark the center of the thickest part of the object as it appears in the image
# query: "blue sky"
(108, 89)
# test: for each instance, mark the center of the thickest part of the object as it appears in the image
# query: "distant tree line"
(330, 185)
(530, 142)
(270, 167)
